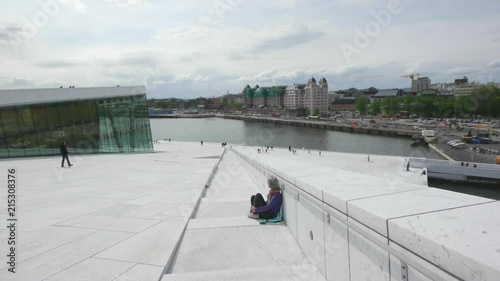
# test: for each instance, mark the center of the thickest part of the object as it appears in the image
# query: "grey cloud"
(287, 41)
(9, 32)
(136, 58)
(494, 64)
(60, 63)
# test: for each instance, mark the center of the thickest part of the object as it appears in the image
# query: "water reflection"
(265, 134)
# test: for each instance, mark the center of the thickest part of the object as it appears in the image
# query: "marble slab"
(110, 223)
(463, 241)
(263, 273)
(141, 272)
(58, 259)
(214, 249)
(200, 223)
(153, 246)
(93, 269)
(374, 212)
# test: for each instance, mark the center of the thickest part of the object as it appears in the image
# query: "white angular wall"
(357, 228)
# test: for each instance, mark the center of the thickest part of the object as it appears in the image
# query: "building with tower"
(316, 96)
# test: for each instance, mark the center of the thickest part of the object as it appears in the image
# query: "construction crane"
(413, 77)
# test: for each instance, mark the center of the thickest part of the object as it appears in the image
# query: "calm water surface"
(262, 134)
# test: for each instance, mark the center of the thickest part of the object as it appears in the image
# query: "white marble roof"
(34, 96)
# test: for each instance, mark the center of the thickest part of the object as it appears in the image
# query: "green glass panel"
(30, 136)
(55, 135)
(13, 133)
(4, 151)
(90, 126)
(43, 130)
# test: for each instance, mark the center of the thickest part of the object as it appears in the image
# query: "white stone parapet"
(356, 225)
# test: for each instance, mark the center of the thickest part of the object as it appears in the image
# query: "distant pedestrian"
(320, 153)
(201, 142)
(408, 166)
(368, 158)
(467, 164)
(462, 163)
(289, 148)
(266, 150)
(64, 154)
(222, 144)
(309, 151)
(169, 140)
(272, 148)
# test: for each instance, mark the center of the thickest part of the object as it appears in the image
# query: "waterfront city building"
(264, 96)
(235, 98)
(316, 96)
(294, 96)
(466, 89)
(348, 104)
(34, 122)
(421, 84)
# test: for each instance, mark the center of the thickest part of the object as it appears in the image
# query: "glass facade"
(106, 125)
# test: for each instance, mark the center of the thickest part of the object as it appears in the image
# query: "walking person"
(64, 154)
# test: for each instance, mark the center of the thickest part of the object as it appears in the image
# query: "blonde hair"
(274, 183)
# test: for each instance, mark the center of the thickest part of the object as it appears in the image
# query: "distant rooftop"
(387, 93)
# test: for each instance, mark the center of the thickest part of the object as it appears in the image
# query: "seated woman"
(261, 209)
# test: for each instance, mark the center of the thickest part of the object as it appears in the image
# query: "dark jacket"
(64, 150)
(273, 204)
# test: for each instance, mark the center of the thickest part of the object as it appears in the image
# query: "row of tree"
(484, 101)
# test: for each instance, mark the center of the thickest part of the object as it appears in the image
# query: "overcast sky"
(188, 49)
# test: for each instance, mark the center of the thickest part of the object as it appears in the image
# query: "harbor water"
(220, 130)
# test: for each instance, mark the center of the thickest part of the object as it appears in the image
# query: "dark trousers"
(258, 201)
(67, 159)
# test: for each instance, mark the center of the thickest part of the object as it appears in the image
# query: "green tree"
(483, 101)
(163, 104)
(376, 107)
(408, 103)
(391, 105)
(426, 106)
(316, 111)
(308, 112)
(362, 104)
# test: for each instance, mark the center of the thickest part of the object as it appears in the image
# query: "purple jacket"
(274, 204)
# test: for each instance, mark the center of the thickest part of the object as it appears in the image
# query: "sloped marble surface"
(130, 206)
(213, 249)
(274, 273)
